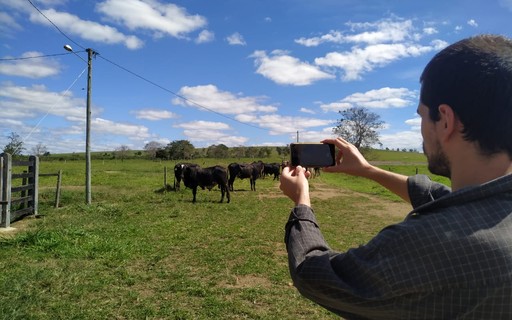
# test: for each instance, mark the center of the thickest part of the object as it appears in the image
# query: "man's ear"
(449, 124)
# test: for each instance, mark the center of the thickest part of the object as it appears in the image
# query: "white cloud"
(24, 110)
(306, 110)
(205, 36)
(88, 30)
(8, 25)
(403, 140)
(101, 127)
(383, 31)
(166, 18)
(209, 97)
(430, 30)
(358, 61)
(332, 36)
(154, 114)
(206, 133)
(380, 98)
(30, 67)
(472, 23)
(31, 102)
(374, 45)
(316, 136)
(287, 70)
(279, 124)
(236, 39)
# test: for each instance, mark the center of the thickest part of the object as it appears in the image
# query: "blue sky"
(235, 72)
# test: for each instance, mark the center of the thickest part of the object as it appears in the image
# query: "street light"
(90, 53)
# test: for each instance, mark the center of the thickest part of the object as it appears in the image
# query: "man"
(451, 258)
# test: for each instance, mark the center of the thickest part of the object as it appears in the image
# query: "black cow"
(242, 171)
(179, 170)
(316, 172)
(272, 169)
(195, 176)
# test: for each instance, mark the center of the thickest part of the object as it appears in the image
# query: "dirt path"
(375, 205)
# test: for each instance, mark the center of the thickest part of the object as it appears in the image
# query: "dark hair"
(474, 77)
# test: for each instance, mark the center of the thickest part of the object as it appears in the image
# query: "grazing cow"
(317, 171)
(242, 171)
(195, 176)
(260, 166)
(179, 170)
(272, 169)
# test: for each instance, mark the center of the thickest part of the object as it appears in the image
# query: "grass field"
(139, 252)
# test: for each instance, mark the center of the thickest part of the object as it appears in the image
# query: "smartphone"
(312, 154)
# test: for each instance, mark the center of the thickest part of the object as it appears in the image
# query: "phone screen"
(312, 154)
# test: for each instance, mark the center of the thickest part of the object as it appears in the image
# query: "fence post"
(5, 193)
(165, 178)
(34, 181)
(57, 192)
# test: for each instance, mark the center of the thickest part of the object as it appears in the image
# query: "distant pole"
(297, 136)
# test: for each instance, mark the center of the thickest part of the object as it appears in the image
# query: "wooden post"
(34, 181)
(165, 178)
(57, 192)
(25, 203)
(5, 220)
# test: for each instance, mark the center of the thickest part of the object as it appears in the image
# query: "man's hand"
(294, 184)
(348, 160)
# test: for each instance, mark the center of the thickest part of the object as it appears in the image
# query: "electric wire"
(147, 80)
(51, 108)
(180, 96)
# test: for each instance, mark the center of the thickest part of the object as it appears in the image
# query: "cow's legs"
(194, 191)
(230, 183)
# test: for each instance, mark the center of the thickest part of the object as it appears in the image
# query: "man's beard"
(438, 163)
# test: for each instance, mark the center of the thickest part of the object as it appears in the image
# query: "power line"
(180, 96)
(149, 81)
(51, 108)
(56, 27)
(35, 57)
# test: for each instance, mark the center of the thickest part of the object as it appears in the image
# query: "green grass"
(139, 252)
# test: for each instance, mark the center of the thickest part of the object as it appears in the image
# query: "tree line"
(183, 149)
(357, 125)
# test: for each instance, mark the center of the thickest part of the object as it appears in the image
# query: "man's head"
(474, 77)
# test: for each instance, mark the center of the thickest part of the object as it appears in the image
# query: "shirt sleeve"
(423, 190)
(344, 283)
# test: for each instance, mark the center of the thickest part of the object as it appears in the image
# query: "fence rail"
(21, 199)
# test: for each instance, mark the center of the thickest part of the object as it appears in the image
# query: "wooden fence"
(19, 188)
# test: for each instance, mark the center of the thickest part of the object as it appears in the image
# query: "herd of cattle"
(193, 176)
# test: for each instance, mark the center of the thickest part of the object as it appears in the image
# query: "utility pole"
(88, 199)
(90, 54)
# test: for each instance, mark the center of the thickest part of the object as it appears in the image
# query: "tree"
(359, 126)
(218, 151)
(264, 152)
(39, 150)
(152, 147)
(122, 152)
(15, 145)
(180, 149)
(283, 151)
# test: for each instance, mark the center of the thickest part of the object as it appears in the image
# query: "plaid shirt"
(451, 258)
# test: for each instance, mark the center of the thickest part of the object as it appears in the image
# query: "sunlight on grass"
(140, 252)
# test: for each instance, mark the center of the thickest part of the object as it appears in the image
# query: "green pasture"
(142, 251)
